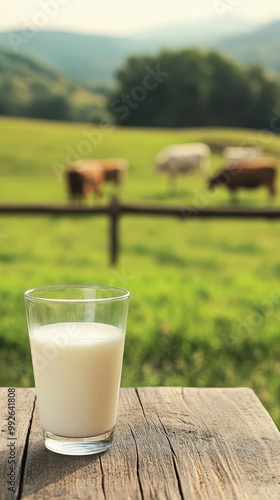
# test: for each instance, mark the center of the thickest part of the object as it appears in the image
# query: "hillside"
(96, 58)
(66, 76)
(261, 46)
(27, 85)
(83, 57)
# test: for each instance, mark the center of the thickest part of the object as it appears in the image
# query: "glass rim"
(123, 294)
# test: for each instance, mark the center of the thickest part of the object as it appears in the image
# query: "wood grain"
(24, 407)
(154, 459)
(169, 443)
(226, 445)
(49, 475)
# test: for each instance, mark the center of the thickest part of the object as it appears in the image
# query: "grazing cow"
(242, 153)
(248, 174)
(75, 185)
(115, 170)
(87, 176)
(83, 178)
(182, 158)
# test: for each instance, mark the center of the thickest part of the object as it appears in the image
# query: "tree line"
(190, 88)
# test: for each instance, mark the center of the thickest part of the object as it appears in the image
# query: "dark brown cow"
(249, 174)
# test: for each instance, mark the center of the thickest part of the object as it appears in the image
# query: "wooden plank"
(12, 447)
(155, 467)
(112, 475)
(170, 443)
(49, 475)
(135, 453)
(141, 463)
(184, 212)
(39, 209)
(114, 230)
(225, 444)
(119, 466)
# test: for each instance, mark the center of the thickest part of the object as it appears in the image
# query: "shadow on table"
(57, 474)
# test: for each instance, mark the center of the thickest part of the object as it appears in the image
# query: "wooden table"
(170, 443)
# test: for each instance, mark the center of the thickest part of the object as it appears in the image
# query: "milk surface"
(77, 370)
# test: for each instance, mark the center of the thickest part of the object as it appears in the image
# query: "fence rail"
(115, 209)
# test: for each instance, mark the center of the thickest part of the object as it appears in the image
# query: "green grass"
(205, 295)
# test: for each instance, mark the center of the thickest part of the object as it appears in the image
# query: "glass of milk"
(77, 336)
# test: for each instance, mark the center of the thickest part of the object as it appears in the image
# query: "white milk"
(77, 369)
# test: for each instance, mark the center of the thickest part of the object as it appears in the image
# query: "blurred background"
(128, 81)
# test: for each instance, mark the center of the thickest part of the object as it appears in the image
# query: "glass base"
(78, 446)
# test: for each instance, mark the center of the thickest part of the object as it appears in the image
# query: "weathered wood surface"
(170, 443)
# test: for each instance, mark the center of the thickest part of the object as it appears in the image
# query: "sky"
(125, 17)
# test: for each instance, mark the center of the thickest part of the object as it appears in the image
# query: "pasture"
(205, 295)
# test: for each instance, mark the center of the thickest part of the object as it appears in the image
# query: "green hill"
(96, 58)
(83, 57)
(30, 88)
(261, 46)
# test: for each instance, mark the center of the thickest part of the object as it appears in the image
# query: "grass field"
(205, 295)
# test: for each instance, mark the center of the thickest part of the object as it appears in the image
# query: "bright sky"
(119, 17)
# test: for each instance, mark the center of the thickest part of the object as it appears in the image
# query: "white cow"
(242, 153)
(183, 158)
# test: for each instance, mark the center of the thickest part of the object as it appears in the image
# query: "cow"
(248, 174)
(83, 178)
(115, 170)
(242, 153)
(183, 158)
(87, 176)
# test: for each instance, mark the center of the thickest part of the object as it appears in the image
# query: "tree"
(264, 97)
(6, 96)
(191, 88)
(228, 93)
(51, 108)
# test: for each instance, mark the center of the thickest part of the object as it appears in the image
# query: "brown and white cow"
(87, 176)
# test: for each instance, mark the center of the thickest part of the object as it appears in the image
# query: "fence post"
(114, 237)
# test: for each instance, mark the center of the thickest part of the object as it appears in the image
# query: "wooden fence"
(116, 209)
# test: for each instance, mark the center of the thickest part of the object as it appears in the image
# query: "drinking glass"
(77, 336)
